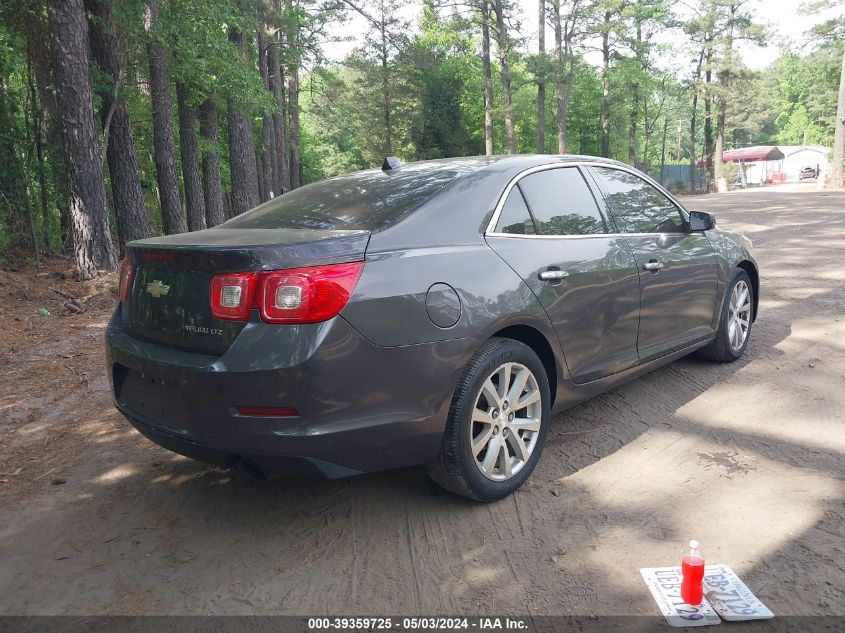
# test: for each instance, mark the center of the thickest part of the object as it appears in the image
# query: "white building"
(796, 157)
(778, 163)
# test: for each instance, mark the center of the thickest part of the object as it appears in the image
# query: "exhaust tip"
(250, 469)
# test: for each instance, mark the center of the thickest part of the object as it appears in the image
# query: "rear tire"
(735, 322)
(497, 423)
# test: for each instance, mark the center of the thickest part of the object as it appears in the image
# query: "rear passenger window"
(515, 217)
(636, 205)
(562, 203)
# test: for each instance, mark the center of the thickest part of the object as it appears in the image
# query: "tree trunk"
(837, 175)
(635, 98)
(164, 153)
(385, 94)
(541, 78)
(242, 161)
(692, 125)
(241, 147)
(269, 157)
(724, 88)
(38, 139)
(708, 109)
(13, 168)
(194, 201)
(718, 150)
(269, 160)
(632, 126)
(51, 124)
(561, 95)
(89, 218)
(120, 149)
(605, 76)
(663, 149)
(212, 188)
(488, 77)
(276, 81)
(507, 99)
(293, 106)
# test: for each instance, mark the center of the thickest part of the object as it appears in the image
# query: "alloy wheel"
(506, 421)
(739, 315)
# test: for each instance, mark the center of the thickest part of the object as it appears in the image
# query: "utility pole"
(837, 175)
(678, 154)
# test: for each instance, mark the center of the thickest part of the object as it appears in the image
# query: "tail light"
(307, 295)
(124, 280)
(296, 295)
(232, 296)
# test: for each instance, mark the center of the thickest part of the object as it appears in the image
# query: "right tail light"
(298, 295)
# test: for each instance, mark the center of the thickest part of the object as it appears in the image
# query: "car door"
(550, 230)
(678, 269)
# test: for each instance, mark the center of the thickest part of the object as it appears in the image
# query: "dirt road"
(749, 458)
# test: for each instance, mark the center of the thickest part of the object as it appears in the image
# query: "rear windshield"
(370, 200)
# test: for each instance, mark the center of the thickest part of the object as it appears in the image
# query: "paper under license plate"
(730, 597)
(664, 583)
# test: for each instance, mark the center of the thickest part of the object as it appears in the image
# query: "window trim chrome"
(491, 225)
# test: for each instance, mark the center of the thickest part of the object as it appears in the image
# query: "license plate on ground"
(730, 597)
(664, 583)
(724, 595)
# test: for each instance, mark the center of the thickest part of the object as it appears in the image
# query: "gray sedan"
(431, 313)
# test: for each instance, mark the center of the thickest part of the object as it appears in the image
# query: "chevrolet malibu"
(433, 313)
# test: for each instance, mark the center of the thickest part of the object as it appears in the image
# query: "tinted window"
(515, 217)
(369, 200)
(561, 203)
(636, 206)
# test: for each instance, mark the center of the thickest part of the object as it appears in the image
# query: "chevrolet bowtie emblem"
(158, 289)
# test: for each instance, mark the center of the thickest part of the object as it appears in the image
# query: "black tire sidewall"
(507, 352)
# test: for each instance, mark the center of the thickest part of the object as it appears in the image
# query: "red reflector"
(124, 279)
(232, 296)
(268, 412)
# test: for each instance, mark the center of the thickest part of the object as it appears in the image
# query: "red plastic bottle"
(692, 570)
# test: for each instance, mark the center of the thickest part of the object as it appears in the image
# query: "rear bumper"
(362, 408)
(267, 465)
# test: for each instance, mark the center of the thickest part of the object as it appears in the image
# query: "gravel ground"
(749, 458)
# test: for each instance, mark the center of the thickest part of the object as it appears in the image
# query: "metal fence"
(677, 177)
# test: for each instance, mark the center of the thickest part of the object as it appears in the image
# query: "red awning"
(752, 154)
(749, 154)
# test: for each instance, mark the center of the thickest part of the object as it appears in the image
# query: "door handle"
(553, 275)
(653, 266)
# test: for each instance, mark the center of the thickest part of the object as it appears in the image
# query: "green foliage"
(422, 87)
(804, 90)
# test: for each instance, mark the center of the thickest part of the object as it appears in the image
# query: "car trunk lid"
(169, 300)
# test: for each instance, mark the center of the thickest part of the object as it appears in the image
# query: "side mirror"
(700, 221)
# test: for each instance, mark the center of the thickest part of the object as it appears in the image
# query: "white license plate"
(664, 583)
(730, 597)
(724, 595)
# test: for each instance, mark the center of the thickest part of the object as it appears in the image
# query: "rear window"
(371, 200)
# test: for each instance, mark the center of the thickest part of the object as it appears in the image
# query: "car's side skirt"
(569, 393)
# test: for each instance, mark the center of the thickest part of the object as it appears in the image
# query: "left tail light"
(232, 296)
(124, 280)
(297, 295)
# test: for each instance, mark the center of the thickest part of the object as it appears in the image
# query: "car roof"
(469, 164)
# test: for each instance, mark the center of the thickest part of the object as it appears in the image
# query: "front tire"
(735, 322)
(497, 423)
